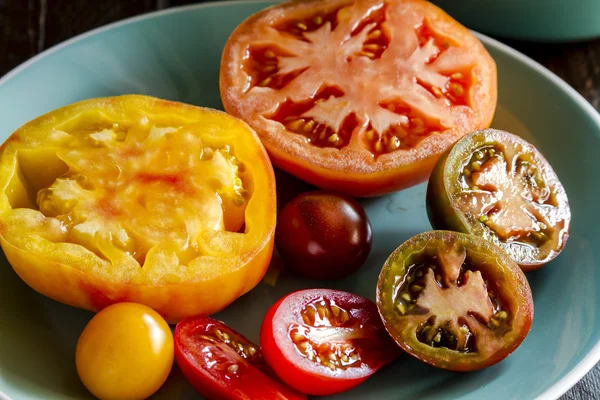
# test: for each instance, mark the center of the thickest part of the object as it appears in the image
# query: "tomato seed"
(318, 20)
(437, 91)
(367, 54)
(344, 316)
(483, 218)
(456, 75)
(309, 126)
(401, 308)
(266, 82)
(418, 122)
(406, 296)
(393, 144)
(379, 146)
(371, 46)
(333, 138)
(457, 89)
(502, 315)
(416, 288)
(295, 125)
(233, 368)
(335, 310)
(296, 337)
(370, 134)
(438, 337)
(375, 34)
(269, 54)
(120, 136)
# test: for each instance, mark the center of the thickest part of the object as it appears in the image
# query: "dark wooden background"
(28, 27)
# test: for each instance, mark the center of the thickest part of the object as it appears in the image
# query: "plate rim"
(559, 387)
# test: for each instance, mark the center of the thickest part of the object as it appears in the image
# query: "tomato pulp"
(322, 341)
(222, 364)
(497, 186)
(454, 301)
(362, 96)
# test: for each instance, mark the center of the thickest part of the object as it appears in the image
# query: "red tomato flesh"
(222, 364)
(322, 341)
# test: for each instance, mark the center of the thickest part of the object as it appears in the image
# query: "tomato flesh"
(496, 185)
(322, 341)
(222, 364)
(454, 301)
(359, 97)
(133, 198)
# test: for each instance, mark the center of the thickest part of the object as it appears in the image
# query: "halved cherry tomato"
(222, 364)
(360, 97)
(322, 341)
(497, 186)
(134, 198)
(454, 301)
(323, 235)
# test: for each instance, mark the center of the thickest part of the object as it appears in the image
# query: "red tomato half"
(222, 364)
(322, 341)
(357, 96)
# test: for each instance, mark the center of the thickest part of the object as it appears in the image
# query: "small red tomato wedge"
(222, 364)
(322, 341)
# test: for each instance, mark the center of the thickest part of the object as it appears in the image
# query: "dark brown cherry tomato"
(497, 186)
(454, 301)
(323, 235)
(222, 364)
(322, 341)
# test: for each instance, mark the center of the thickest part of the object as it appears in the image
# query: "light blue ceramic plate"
(175, 55)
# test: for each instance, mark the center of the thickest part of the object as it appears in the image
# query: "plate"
(175, 55)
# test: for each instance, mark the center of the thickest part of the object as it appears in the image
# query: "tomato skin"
(296, 371)
(503, 276)
(250, 380)
(125, 352)
(444, 211)
(68, 272)
(349, 169)
(323, 235)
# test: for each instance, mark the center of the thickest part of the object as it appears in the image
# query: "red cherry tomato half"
(222, 364)
(322, 341)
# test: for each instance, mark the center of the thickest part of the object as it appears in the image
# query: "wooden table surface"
(28, 27)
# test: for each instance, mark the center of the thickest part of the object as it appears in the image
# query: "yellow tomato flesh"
(125, 352)
(137, 199)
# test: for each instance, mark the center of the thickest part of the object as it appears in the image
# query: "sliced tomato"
(454, 301)
(359, 96)
(222, 364)
(498, 186)
(322, 341)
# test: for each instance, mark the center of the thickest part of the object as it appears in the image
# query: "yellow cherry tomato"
(125, 352)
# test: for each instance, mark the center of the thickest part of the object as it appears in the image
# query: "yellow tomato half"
(125, 352)
(138, 199)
